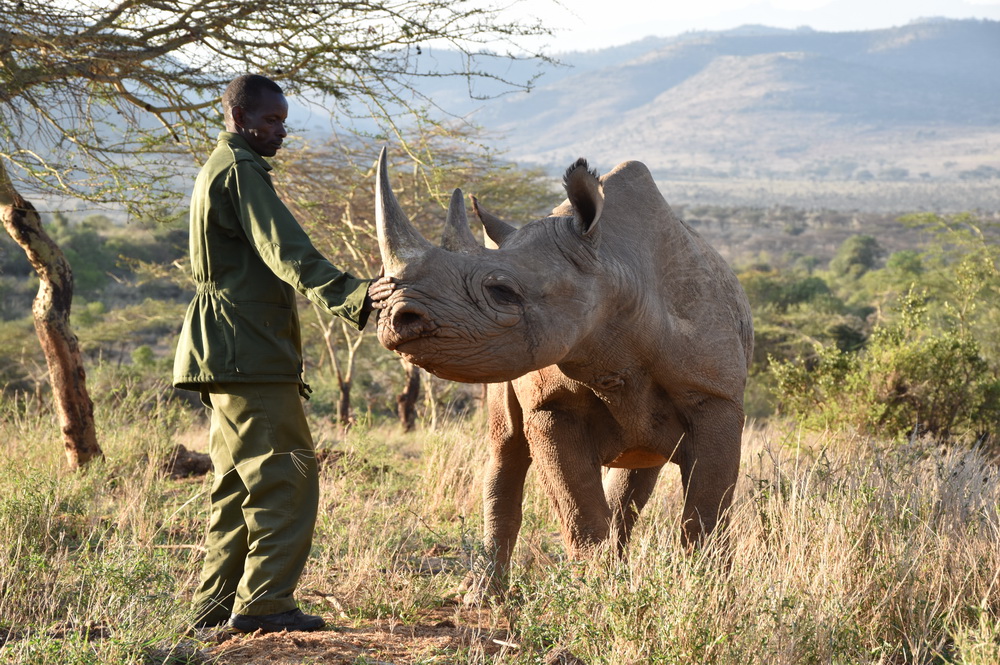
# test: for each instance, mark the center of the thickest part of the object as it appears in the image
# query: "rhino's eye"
(502, 294)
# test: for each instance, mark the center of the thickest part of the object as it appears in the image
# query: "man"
(240, 347)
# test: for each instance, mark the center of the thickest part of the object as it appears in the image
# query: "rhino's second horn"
(457, 236)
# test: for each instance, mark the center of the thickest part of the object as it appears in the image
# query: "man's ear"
(238, 115)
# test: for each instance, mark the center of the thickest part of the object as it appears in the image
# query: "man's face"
(263, 126)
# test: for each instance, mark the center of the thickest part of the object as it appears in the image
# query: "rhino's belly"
(639, 457)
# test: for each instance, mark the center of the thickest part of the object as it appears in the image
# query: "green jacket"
(248, 258)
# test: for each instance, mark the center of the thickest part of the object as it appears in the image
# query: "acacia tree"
(341, 223)
(109, 102)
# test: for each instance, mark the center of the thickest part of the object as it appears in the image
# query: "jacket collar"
(237, 141)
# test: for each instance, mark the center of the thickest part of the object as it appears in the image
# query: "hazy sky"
(590, 24)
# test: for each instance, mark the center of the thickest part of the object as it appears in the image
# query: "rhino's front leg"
(709, 461)
(503, 494)
(570, 472)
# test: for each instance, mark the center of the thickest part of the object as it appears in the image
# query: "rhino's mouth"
(451, 352)
(408, 345)
(413, 348)
(450, 359)
(428, 352)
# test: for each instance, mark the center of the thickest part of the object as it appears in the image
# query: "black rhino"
(611, 335)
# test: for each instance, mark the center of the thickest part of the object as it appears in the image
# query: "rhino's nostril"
(406, 319)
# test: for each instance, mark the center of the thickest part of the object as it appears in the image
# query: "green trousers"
(265, 496)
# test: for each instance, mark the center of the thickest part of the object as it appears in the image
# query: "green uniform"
(240, 347)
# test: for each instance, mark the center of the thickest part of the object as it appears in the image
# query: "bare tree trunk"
(51, 310)
(406, 401)
(327, 324)
(344, 373)
(352, 339)
(431, 402)
(344, 406)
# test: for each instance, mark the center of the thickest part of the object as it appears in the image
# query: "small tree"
(961, 271)
(856, 256)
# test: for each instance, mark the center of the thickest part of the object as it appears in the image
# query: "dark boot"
(275, 623)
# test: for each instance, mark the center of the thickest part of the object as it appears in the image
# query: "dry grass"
(842, 550)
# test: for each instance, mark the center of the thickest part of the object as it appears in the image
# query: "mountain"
(921, 102)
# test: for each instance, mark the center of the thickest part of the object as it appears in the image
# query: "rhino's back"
(692, 299)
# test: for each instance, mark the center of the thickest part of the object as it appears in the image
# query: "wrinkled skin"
(612, 337)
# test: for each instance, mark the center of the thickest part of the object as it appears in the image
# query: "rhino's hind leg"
(709, 461)
(627, 491)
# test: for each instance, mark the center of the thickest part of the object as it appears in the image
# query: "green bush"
(904, 381)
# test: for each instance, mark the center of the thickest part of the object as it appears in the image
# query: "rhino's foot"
(483, 583)
(474, 592)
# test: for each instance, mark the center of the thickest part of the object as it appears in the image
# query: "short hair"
(244, 91)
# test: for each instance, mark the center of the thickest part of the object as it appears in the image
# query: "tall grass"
(87, 570)
(841, 549)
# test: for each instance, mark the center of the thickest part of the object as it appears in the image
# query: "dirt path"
(453, 634)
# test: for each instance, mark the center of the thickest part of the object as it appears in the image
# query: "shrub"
(904, 381)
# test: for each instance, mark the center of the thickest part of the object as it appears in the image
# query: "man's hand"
(378, 292)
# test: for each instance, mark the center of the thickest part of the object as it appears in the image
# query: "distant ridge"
(919, 102)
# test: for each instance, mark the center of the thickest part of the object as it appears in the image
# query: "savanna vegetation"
(865, 530)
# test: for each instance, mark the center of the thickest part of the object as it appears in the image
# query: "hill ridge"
(918, 101)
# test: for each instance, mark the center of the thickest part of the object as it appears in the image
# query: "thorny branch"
(105, 96)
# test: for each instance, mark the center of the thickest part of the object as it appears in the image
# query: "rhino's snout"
(406, 320)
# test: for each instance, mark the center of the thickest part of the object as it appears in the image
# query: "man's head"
(256, 109)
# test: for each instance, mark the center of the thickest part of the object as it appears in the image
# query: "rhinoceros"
(612, 336)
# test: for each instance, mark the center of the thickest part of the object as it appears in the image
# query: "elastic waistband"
(207, 287)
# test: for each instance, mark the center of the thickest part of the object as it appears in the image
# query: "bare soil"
(448, 634)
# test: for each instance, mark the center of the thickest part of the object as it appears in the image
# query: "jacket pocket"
(267, 340)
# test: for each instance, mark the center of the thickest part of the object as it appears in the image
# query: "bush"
(904, 381)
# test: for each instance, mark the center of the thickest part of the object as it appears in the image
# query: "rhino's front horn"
(457, 236)
(398, 242)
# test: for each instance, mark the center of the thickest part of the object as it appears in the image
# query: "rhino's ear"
(497, 230)
(489, 243)
(583, 188)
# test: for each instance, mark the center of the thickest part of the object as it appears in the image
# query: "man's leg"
(226, 543)
(268, 437)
